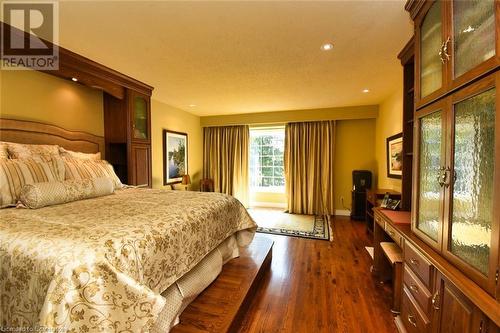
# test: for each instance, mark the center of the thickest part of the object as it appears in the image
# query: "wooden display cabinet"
(455, 43)
(127, 133)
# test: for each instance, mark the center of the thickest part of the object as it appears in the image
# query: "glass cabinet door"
(431, 67)
(430, 163)
(473, 33)
(140, 119)
(473, 180)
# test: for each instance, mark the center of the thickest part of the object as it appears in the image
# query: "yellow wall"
(354, 150)
(35, 96)
(164, 116)
(351, 112)
(389, 122)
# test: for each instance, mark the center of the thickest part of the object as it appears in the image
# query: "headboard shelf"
(31, 132)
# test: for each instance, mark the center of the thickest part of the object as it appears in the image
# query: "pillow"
(78, 155)
(88, 169)
(41, 153)
(53, 193)
(4, 154)
(14, 174)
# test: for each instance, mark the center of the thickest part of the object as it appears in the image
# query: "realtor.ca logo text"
(30, 35)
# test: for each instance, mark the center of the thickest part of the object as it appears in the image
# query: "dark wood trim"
(407, 57)
(408, 51)
(91, 73)
(164, 138)
(413, 7)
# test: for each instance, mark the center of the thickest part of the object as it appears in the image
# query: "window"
(266, 159)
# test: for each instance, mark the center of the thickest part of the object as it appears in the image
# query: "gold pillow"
(53, 193)
(42, 153)
(79, 155)
(14, 174)
(76, 169)
(4, 154)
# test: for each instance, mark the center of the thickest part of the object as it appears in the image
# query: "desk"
(458, 298)
(373, 199)
(384, 231)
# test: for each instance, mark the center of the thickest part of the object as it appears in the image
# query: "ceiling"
(238, 57)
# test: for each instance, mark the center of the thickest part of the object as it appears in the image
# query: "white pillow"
(79, 155)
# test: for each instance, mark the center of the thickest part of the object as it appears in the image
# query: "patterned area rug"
(275, 221)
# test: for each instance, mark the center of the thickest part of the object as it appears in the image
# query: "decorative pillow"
(88, 169)
(42, 153)
(4, 153)
(78, 155)
(53, 193)
(14, 174)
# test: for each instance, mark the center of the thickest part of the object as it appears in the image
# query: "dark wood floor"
(320, 286)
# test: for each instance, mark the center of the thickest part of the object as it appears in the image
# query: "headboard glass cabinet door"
(140, 112)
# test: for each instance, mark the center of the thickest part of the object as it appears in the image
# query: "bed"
(129, 261)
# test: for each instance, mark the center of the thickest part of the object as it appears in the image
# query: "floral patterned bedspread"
(101, 264)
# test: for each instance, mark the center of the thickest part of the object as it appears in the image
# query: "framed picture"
(175, 156)
(395, 156)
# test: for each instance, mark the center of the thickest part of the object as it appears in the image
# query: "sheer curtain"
(309, 169)
(225, 159)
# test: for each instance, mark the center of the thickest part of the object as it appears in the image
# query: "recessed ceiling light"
(74, 79)
(366, 90)
(327, 47)
(192, 105)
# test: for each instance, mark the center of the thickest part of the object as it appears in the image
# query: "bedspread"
(101, 264)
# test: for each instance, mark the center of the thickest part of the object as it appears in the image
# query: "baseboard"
(342, 212)
(268, 204)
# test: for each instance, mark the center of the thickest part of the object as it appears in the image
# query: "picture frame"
(175, 156)
(394, 151)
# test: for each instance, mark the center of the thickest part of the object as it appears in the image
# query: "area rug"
(275, 221)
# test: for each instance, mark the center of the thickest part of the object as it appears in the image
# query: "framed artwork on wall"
(175, 156)
(395, 156)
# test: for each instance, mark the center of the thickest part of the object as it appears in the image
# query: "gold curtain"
(225, 159)
(309, 157)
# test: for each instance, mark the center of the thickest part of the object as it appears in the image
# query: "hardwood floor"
(321, 286)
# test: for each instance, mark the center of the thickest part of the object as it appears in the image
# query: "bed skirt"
(189, 286)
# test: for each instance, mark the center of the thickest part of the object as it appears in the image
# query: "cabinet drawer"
(379, 221)
(414, 320)
(418, 264)
(417, 289)
(395, 235)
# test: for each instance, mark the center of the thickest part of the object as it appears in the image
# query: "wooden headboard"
(22, 131)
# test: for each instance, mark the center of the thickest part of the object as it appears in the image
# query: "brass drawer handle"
(414, 288)
(435, 301)
(412, 320)
(414, 261)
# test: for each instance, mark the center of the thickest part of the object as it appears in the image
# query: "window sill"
(267, 190)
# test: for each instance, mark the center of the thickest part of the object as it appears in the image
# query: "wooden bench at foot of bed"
(221, 306)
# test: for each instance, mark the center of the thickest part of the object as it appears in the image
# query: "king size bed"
(129, 261)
